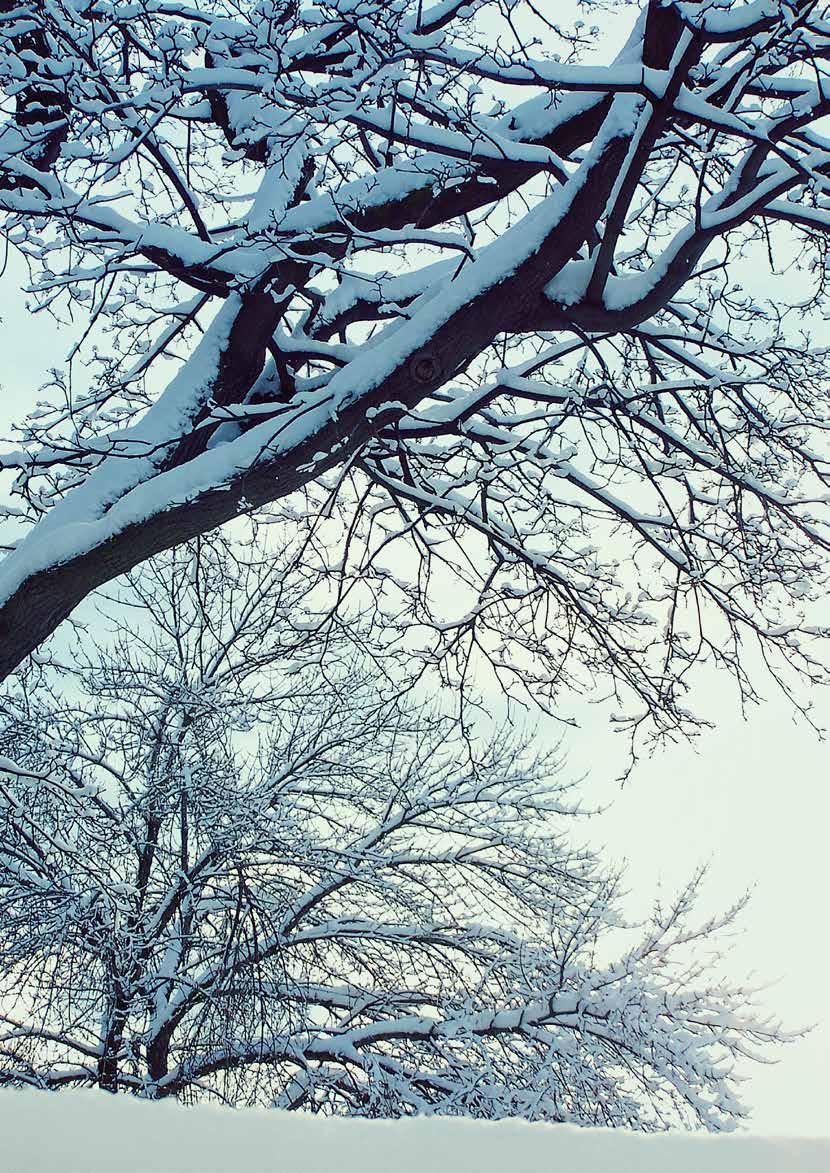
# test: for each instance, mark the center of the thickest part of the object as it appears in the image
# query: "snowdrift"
(90, 1132)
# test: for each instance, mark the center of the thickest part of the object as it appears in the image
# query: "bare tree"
(227, 870)
(495, 297)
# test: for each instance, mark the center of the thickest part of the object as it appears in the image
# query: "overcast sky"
(752, 798)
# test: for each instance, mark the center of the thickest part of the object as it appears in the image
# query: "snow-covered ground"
(90, 1132)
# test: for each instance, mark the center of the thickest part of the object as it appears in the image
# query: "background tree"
(235, 861)
(493, 291)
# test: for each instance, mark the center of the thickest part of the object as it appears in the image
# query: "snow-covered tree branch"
(223, 873)
(448, 261)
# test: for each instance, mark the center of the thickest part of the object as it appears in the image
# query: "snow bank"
(90, 1132)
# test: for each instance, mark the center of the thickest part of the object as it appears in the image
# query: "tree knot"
(425, 366)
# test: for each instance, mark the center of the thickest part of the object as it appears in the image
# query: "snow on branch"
(511, 299)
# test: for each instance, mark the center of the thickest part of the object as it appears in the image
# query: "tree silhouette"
(226, 874)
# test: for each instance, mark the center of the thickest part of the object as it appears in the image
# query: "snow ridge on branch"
(432, 258)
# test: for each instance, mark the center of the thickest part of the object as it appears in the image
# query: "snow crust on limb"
(120, 491)
(480, 280)
(85, 1132)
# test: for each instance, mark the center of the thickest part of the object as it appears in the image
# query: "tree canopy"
(482, 276)
(226, 872)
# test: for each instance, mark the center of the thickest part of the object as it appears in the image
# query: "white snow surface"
(91, 1132)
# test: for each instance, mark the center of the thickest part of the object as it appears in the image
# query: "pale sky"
(752, 797)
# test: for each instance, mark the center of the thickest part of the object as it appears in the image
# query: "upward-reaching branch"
(387, 214)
